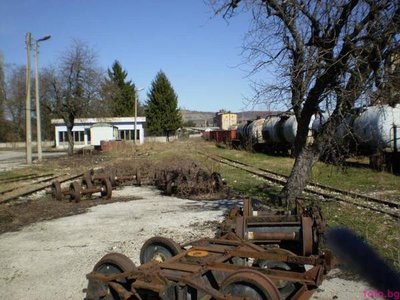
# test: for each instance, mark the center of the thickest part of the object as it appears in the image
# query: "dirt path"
(49, 260)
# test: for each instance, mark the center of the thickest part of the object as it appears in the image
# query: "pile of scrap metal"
(182, 182)
(188, 181)
(228, 267)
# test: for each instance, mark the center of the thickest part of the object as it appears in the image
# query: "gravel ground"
(49, 260)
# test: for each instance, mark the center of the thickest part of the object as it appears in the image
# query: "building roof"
(100, 120)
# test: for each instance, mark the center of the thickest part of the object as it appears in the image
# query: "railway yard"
(58, 218)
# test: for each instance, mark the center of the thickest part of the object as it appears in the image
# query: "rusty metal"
(299, 231)
(224, 268)
(76, 190)
(117, 179)
(188, 181)
(56, 191)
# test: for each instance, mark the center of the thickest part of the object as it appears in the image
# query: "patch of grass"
(380, 231)
(358, 179)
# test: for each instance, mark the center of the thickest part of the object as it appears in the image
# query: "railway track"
(32, 187)
(23, 178)
(387, 207)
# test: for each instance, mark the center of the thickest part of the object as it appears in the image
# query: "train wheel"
(106, 188)
(112, 263)
(159, 249)
(250, 284)
(75, 191)
(286, 288)
(56, 191)
(138, 178)
(87, 184)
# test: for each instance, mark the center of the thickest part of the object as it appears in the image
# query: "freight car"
(372, 131)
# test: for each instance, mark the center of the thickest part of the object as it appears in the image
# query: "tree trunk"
(70, 141)
(299, 176)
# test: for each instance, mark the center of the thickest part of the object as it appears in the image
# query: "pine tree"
(121, 92)
(162, 113)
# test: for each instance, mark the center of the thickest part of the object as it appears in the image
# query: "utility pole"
(134, 129)
(28, 133)
(136, 103)
(38, 126)
(38, 120)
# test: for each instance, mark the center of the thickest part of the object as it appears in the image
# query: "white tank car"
(254, 131)
(378, 128)
(269, 132)
(290, 130)
(281, 129)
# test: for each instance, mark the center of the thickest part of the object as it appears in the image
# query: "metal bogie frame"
(209, 269)
(300, 231)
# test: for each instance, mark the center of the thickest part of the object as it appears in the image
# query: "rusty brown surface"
(300, 232)
(208, 264)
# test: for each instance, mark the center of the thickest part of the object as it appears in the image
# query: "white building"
(82, 130)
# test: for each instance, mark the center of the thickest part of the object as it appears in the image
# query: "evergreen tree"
(121, 93)
(162, 113)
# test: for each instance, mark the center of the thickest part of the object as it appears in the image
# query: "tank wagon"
(377, 131)
(372, 131)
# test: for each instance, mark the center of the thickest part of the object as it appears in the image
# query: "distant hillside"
(202, 117)
(199, 117)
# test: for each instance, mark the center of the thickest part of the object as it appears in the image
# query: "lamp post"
(28, 136)
(136, 101)
(38, 123)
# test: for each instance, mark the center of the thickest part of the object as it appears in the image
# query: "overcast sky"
(199, 52)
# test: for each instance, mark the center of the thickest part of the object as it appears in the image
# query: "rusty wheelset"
(77, 190)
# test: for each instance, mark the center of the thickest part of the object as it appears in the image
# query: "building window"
(62, 136)
(78, 136)
(128, 135)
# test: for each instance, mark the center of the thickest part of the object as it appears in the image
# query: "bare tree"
(14, 102)
(329, 53)
(71, 89)
(2, 99)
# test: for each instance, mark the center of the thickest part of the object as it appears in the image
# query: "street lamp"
(28, 42)
(136, 101)
(38, 125)
(28, 134)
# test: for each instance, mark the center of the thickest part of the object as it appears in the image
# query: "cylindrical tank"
(378, 128)
(241, 131)
(254, 131)
(269, 132)
(289, 129)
